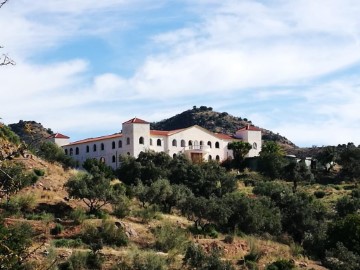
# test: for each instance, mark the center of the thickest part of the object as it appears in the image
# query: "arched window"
(158, 142)
(174, 142)
(209, 144)
(182, 143)
(76, 150)
(66, 151)
(201, 143)
(71, 151)
(94, 147)
(196, 144)
(174, 155)
(102, 160)
(87, 149)
(190, 144)
(150, 141)
(113, 159)
(113, 145)
(217, 158)
(210, 157)
(141, 140)
(255, 145)
(102, 146)
(120, 144)
(217, 145)
(128, 153)
(127, 141)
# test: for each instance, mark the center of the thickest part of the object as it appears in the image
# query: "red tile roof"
(165, 132)
(251, 128)
(113, 136)
(136, 121)
(224, 136)
(58, 136)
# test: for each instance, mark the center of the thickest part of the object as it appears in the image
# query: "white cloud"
(248, 50)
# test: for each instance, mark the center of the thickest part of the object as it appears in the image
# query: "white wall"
(134, 131)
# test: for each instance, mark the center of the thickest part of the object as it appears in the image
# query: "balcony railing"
(196, 148)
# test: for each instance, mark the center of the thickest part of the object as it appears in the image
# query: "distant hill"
(31, 132)
(220, 122)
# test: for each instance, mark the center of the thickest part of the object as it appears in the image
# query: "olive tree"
(94, 190)
(240, 150)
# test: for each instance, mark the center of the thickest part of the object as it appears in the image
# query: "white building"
(195, 142)
(59, 139)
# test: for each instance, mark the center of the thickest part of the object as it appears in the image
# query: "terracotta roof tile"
(165, 132)
(113, 136)
(136, 121)
(58, 136)
(224, 136)
(251, 128)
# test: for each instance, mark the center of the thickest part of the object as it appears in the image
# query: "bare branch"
(3, 3)
(6, 60)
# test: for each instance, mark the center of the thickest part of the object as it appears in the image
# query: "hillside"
(31, 132)
(62, 228)
(220, 122)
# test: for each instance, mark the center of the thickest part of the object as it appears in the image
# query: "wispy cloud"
(290, 64)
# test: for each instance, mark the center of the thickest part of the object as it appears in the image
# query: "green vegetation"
(170, 238)
(94, 190)
(7, 134)
(108, 233)
(314, 211)
(240, 150)
(220, 122)
(196, 258)
(14, 177)
(53, 153)
(14, 243)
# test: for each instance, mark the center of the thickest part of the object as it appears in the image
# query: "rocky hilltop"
(31, 132)
(221, 122)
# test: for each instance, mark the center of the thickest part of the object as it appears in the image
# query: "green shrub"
(21, 203)
(251, 265)
(82, 261)
(169, 237)
(57, 229)
(7, 134)
(149, 261)
(319, 194)
(281, 265)
(91, 236)
(296, 249)
(108, 234)
(355, 193)
(40, 216)
(340, 258)
(15, 240)
(229, 239)
(210, 231)
(196, 258)
(113, 235)
(39, 172)
(121, 207)
(68, 243)
(255, 253)
(78, 215)
(32, 178)
(147, 213)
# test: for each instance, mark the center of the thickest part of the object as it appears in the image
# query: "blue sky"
(86, 66)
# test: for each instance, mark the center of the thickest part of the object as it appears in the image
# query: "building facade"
(195, 142)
